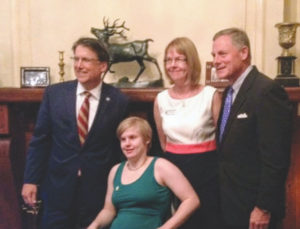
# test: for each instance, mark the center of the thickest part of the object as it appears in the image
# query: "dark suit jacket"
(55, 153)
(255, 149)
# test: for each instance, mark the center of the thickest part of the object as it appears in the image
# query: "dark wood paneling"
(292, 219)
(9, 205)
(4, 123)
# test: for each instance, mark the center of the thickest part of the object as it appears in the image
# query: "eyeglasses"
(179, 60)
(83, 60)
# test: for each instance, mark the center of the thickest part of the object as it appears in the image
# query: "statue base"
(125, 83)
(288, 81)
(286, 72)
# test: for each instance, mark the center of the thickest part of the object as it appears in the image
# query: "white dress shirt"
(94, 101)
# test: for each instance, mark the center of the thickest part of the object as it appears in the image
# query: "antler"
(105, 22)
(119, 33)
(119, 26)
(113, 29)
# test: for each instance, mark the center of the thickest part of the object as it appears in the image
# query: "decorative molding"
(254, 25)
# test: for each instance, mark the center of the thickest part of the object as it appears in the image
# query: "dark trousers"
(74, 215)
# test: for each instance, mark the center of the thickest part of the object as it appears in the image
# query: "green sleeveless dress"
(143, 204)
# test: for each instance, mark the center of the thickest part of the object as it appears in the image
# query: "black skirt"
(201, 170)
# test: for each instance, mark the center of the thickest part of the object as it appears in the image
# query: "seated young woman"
(140, 188)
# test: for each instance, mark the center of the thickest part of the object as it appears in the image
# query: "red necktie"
(83, 118)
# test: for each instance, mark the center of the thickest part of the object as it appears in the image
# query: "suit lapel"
(239, 100)
(70, 104)
(105, 99)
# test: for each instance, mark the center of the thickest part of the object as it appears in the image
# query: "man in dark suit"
(254, 143)
(73, 172)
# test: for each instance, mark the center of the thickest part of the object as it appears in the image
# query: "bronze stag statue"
(125, 52)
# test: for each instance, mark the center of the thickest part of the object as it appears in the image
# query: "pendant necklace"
(134, 169)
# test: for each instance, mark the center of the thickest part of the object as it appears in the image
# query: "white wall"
(6, 53)
(32, 31)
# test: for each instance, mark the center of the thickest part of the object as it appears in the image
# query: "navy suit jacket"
(55, 153)
(255, 150)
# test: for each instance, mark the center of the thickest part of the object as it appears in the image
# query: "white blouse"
(187, 121)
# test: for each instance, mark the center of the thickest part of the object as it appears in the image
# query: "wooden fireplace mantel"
(18, 110)
(19, 95)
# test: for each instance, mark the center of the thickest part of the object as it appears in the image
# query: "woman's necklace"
(193, 90)
(134, 169)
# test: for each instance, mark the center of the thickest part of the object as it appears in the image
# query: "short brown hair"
(134, 121)
(94, 45)
(186, 47)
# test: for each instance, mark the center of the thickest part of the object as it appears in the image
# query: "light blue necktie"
(226, 112)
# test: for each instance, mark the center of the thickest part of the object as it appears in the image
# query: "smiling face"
(229, 60)
(87, 67)
(176, 66)
(133, 144)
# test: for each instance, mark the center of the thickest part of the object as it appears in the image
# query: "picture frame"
(35, 77)
(212, 78)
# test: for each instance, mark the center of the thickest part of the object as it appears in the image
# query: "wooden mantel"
(18, 110)
(136, 94)
(19, 95)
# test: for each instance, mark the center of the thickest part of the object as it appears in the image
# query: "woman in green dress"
(139, 189)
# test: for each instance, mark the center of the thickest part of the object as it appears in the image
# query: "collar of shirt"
(95, 92)
(238, 83)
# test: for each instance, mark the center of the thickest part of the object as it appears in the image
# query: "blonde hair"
(142, 125)
(186, 47)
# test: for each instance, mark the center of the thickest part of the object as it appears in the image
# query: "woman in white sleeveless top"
(186, 115)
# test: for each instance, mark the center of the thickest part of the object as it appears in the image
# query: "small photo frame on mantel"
(212, 78)
(35, 77)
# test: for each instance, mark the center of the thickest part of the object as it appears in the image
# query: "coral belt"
(191, 148)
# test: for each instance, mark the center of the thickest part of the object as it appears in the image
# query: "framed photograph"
(35, 76)
(212, 78)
